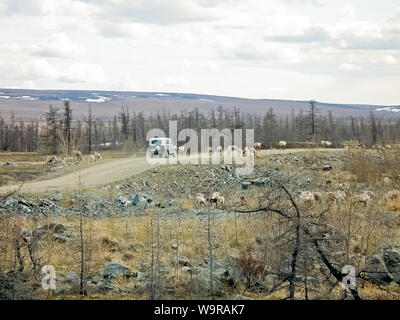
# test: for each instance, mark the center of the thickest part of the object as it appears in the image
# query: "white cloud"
(83, 72)
(60, 45)
(11, 47)
(389, 59)
(312, 34)
(31, 7)
(28, 85)
(350, 67)
(229, 47)
(154, 11)
(39, 69)
(173, 82)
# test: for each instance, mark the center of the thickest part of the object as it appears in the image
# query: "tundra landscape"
(167, 152)
(85, 201)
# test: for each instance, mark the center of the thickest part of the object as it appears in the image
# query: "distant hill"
(31, 104)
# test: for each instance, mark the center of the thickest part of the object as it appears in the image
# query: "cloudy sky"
(330, 50)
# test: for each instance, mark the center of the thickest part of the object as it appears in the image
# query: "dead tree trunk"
(314, 240)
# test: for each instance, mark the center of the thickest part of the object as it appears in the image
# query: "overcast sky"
(330, 50)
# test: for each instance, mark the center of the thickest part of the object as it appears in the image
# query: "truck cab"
(162, 147)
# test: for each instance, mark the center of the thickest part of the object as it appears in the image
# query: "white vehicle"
(162, 147)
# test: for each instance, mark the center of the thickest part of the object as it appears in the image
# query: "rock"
(64, 237)
(121, 200)
(139, 201)
(60, 291)
(24, 209)
(201, 284)
(106, 287)
(53, 227)
(9, 164)
(301, 279)
(168, 194)
(384, 268)
(376, 271)
(113, 270)
(269, 282)
(216, 264)
(10, 202)
(26, 233)
(132, 246)
(240, 297)
(233, 253)
(258, 182)
(246, 185)
(327, 168)
(181, 260)
(46, 203)
(186, 269)
(96, 279)
(391, 259)
(26, 203)
(144, 267)
(173, 203)
(72, 277)
(138, 275)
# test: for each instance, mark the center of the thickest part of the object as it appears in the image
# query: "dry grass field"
(166, 249)
(30, 166)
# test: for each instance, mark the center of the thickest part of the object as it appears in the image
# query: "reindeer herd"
(342, 193)
(77, 157)
(228, 151)
(216, 198)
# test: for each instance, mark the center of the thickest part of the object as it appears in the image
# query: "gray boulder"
(72, 277)
(96, 280)
(113, 270)
(258, 182)
(26, 233)
(10, 202)
(376, 271)
(53, 227)
(132, 246)
(140, 201)
(122, 200)
(391, 259)
(240, 297)
(246, 185)
(383, 268)
(181, 261)
(55, 230)
(201, 284)
(64, 236)
(24, 209)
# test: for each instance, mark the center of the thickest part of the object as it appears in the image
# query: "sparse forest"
(189, 231)
(60, 132)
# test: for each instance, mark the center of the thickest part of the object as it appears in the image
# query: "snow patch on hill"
(390, 109)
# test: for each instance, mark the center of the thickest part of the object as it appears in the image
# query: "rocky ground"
(168, 190)
(165, 186)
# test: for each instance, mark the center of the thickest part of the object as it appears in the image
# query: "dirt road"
(101, 174)
(108, 172)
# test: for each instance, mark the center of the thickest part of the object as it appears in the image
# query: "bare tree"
(67, 120)
(303, 230)
(52, 138)
(89, 122)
